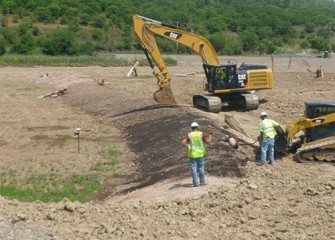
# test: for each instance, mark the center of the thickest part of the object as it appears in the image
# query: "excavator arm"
(146, 28)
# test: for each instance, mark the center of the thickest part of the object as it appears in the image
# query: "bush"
(304, 44)
(249, 40)
(84, 18)
(25, 45)
(23, 28)
(43, 14)
(319, 44)
(97, 34)
(59, 42)
(35, 31)
(2, 45)
(100, 21)
(218, 41)
(84, 48)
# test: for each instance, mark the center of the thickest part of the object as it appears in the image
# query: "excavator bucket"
(165, 95)
(280, 143)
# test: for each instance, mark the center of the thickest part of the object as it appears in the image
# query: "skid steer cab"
(312, 137)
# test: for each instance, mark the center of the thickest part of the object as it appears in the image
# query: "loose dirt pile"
(282, 202)
(151, 195)
(154, 134)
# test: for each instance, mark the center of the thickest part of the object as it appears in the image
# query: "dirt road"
(151, 195)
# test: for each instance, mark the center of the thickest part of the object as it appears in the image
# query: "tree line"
(76, 27)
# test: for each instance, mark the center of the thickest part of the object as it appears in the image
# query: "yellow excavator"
(224, 82)
(312, 137)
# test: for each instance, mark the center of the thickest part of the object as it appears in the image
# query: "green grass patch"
(82, 188)
(146, 76)
(105, 130)
(113, 153)
(61, 140)
(111, 156)
(54, 185)
(58, 140)
(12, 172)
(44, 60)
(168, 61)
(75, 61)
(99, 166)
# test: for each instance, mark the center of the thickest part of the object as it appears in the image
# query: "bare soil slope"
(150, 195)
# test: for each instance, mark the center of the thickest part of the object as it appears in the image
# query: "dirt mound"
(284, 201)
(154, 133)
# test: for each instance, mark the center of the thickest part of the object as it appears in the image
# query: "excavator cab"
(220, 77)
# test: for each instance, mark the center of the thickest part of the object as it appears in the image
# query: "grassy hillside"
(68, 27)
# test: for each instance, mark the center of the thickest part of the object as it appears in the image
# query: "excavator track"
(243, 101)
(207, 102)
(320, 153)
(251, 101)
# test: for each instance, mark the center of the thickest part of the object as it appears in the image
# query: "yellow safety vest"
(196, 147)
(267, 128)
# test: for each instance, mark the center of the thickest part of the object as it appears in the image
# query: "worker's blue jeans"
(267, 150)
(198, 166)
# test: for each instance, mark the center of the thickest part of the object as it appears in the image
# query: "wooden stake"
(235, 124)
(133, 70)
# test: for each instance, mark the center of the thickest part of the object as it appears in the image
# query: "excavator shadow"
(151, 107)
(224, 108)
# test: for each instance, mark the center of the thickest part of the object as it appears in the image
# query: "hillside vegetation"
(77, 27)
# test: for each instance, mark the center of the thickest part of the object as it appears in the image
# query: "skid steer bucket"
(280, 143)
(164, 95)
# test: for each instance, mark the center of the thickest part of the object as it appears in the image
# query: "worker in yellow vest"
(268, 134)
(195, 143)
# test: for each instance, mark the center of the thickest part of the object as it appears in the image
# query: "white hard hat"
(194, 124)
(264, 114)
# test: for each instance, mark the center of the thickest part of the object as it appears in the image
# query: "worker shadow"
(179, 185)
